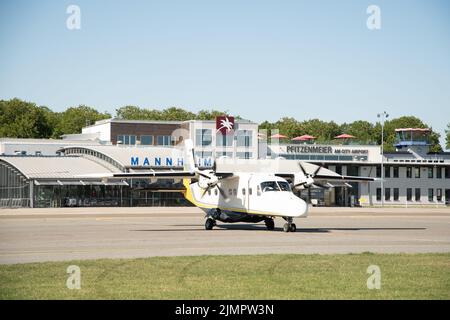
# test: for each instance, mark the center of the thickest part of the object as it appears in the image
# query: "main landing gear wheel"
(270, 224)
(209, 224)
(293, 228)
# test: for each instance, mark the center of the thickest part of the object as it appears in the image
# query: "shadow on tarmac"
(249, 227)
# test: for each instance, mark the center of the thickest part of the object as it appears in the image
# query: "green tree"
(288, 126)
(21, 119)
(210, 114)
(363, 131)
(75, 118)
(136, 113)
(322, 130)
(447, 138)
(177, 114)
(168, 114)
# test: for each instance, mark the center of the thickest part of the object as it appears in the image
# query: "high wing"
(144, 174)
(343, 178)
(171, 174)
(309, 174)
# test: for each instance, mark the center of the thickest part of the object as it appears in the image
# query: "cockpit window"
(275, 186)
(284, 186)
(269, 186)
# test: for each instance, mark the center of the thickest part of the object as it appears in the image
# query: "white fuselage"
(251, 193)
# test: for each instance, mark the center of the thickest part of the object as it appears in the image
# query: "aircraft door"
(247, 193)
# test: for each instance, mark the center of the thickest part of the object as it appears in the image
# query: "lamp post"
(383, 117)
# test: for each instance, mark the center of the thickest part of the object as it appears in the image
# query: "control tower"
(415, 140)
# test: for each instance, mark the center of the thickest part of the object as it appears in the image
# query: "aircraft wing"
(343, 178)
(171, 174)
(319, 174)
(331, 177)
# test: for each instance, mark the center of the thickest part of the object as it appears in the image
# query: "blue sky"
(260, 59)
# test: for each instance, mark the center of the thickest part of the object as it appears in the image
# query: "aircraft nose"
(301, 206)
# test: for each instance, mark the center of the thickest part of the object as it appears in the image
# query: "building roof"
(123, 154)
(55, 167)
(99, 122)
(413, 129)
(396, 153)
(113, 120)
(442, 153)
(81, 136)
(60, 142)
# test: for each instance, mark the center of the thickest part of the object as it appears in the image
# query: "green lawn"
(403, 276)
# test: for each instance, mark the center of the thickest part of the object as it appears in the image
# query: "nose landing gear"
(210, 223)
(289, 226)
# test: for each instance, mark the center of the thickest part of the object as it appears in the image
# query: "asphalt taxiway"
(36, 235)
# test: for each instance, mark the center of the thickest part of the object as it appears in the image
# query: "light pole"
(383, 117)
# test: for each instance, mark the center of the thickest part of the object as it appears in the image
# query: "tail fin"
(189, 157)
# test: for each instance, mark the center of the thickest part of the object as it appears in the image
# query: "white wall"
(104, 129)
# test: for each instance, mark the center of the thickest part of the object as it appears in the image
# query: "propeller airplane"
(246, 196)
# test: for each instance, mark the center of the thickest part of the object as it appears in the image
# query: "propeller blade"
(203, 175)
(222, 193)
(302, 168)
(206, 190)
(316, 171)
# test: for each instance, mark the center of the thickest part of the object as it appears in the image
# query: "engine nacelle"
(205, 182)
(304, 181)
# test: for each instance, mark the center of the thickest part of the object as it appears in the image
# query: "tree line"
(22, 119)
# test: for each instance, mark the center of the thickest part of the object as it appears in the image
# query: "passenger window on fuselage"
(243, 191)
(230, 192)
(235, 192)
(250, 191)
(215, 192)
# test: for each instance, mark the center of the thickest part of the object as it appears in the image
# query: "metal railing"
(15, 203)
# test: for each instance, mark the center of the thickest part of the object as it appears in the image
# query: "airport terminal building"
(55, 173)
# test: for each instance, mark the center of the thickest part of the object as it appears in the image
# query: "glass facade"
(409, 194)
(430, 194)
(15, 192)
(417, 195)
(408, 172)
(146, 140)
(203, 137)
(14, 187)
(126, 139)
(224, 154)
(396, 172)
(244, 138)
(439, 172)
(378, 194)
(243, 155)
(164, 140)
(225, 140)
(396, 194)
(314, 157)
(387, 194)
(103, 196)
